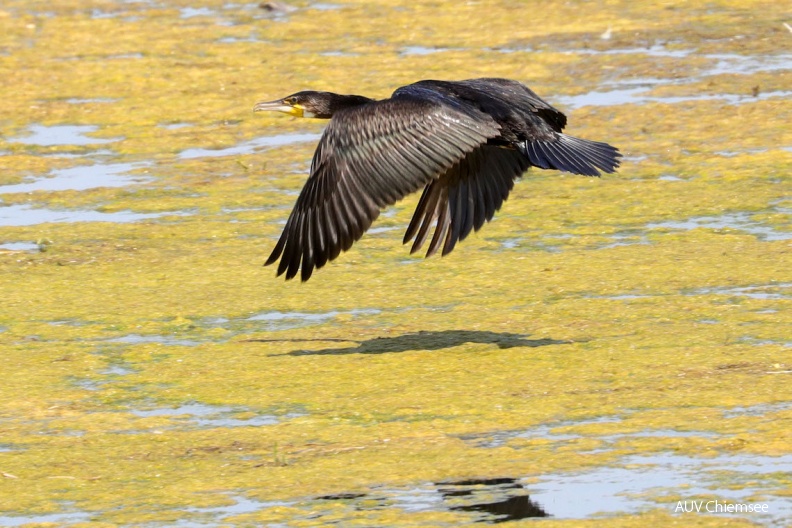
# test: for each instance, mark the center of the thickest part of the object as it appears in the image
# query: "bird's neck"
(342, 102)
(352, 100)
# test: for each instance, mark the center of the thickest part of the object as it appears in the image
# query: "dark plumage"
(463, 142)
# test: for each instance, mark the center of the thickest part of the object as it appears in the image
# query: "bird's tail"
(571, 154)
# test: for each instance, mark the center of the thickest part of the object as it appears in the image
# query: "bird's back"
(521, 113)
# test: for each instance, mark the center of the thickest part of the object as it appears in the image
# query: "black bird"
(463, 142)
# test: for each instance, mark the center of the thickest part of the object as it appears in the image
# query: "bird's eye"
(291, 100)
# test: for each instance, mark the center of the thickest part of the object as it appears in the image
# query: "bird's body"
(464, 143)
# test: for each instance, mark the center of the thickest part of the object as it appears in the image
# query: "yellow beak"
(279, 106)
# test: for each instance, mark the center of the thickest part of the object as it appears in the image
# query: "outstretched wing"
(465, 197)
(369, 157)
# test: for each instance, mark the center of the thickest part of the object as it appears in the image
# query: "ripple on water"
(720, 63)
(322, 6)
(135, 339)
(241, 506)
(760, 409)
(88, 100)
(656, 50)
(760, 291)
(287, 320)
(758, 341)
(82, 178)
(730, 63)
(671, 177)
(117, 370)
(20, 246)
(639, 95)
(203, 416)
(740, 221)
(190, 12)
(250, 146)
(61, 519)
(339, 53)
(174, 126)
(500, 438)
(421, 50)
(626, 238)
(234, 40)
(25, 215)
(61, 135)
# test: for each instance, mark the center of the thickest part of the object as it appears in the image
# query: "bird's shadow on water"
(423, 340)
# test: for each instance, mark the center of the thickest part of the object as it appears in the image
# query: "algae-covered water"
(603, 351)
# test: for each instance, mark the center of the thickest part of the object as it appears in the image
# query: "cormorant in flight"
(463, 142)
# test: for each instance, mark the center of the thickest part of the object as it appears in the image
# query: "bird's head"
(320, 105)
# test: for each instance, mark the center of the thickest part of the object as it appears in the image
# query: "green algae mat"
(610, 350)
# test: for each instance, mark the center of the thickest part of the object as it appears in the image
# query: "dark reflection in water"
(424, 340)
(499, 499)
(493, 500)
(342, 496)
(511, 509)
(512, 483)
